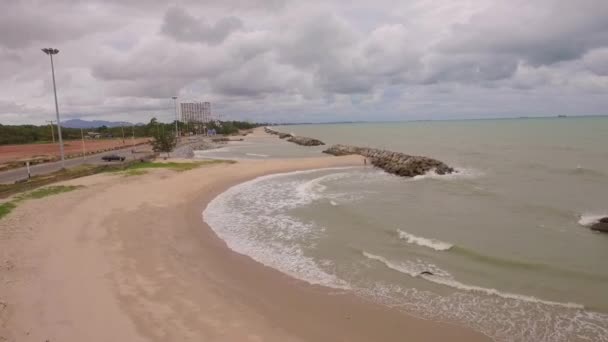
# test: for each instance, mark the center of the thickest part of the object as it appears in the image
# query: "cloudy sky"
(312, 61)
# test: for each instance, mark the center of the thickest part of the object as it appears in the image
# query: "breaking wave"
(444, 278)
(461, 173)
(590, 219)
(424, 242)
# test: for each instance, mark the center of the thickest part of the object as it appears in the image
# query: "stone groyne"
(304, 141)
(397, 163)
(601, 225)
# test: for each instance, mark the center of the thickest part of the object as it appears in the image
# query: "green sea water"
(506, 239)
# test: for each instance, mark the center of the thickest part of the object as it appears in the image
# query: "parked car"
(112, 157)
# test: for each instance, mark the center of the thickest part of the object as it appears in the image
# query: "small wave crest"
(590, 219)
(424, 242)
(252, 219)
(581, 170)
(413, 269)
(257, 155)
(461, 173)
(444, 278)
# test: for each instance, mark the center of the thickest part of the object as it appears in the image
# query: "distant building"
(199, 112)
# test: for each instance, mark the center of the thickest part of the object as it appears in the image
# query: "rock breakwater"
(601, 225)
(397, 163)
(304, 141)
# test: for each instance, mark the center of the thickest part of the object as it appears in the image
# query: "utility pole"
(122, 128)
(51, 52)
(84, 150)
(176, 119)
(133, 137)
(52, 129)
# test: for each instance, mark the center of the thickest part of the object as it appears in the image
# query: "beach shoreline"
(148, 268)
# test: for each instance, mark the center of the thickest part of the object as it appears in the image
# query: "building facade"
(195, 112)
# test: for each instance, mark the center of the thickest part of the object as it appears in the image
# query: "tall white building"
(196, 111)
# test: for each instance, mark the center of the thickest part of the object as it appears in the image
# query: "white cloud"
(370, 60)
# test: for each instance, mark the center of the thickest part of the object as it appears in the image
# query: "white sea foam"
(332, 202)
(257, 155)
(424, 242)
(410, 268)
(251, 218)
(461, 173)
(443, 278)
(590, 219)
(314, 188)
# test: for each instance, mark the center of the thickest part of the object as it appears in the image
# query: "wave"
(413, 269)
(313, 188)
(251, 218)
(524, 265)
(588, 220)
(257, 155)
(424, 242)
(580, 170)
(444, 278)
(461, 173)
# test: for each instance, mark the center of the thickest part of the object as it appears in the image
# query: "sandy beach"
(130, 259)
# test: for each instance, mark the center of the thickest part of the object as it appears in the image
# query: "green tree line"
(27, 134)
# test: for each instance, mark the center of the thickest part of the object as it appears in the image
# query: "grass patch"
(134, 172)
(44, 192)
(6, 208)
(173, 165)
(88, 170)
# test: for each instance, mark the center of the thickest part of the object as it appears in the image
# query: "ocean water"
(502, 246)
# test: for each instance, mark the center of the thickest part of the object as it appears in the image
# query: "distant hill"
(77, 123)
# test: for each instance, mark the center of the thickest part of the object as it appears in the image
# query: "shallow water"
(503, 239)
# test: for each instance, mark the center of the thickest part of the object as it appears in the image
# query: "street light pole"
(51, 52)
(52, 129)
(175, 108)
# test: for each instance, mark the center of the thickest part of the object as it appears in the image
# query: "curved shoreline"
(325, 313)
(148, 266)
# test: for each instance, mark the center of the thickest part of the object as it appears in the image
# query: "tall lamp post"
(51, 52)
(175, 108)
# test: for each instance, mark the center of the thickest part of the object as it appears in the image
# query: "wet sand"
(130, 259)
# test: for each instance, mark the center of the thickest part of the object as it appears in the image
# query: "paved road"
(10, 176)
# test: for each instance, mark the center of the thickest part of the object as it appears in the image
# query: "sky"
(304, 61)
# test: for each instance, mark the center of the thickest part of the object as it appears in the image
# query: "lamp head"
(50, 51)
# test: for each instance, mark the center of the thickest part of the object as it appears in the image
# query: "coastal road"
(10, 176)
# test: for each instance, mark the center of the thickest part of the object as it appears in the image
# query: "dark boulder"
(396, 163)
(601, 225)
(304, 141)
(343, 150)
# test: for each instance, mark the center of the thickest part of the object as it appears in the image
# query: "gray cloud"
(186, 28)
(538, 32)
(597, 61)
(27, 22)
(369, 60)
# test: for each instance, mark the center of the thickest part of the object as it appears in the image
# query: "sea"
(503, 246)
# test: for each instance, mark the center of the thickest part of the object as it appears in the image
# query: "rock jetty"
(270, 131)
(304, 141)
(601, 225)
(396, 163)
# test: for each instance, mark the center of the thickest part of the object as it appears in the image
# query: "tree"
(164, 143)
